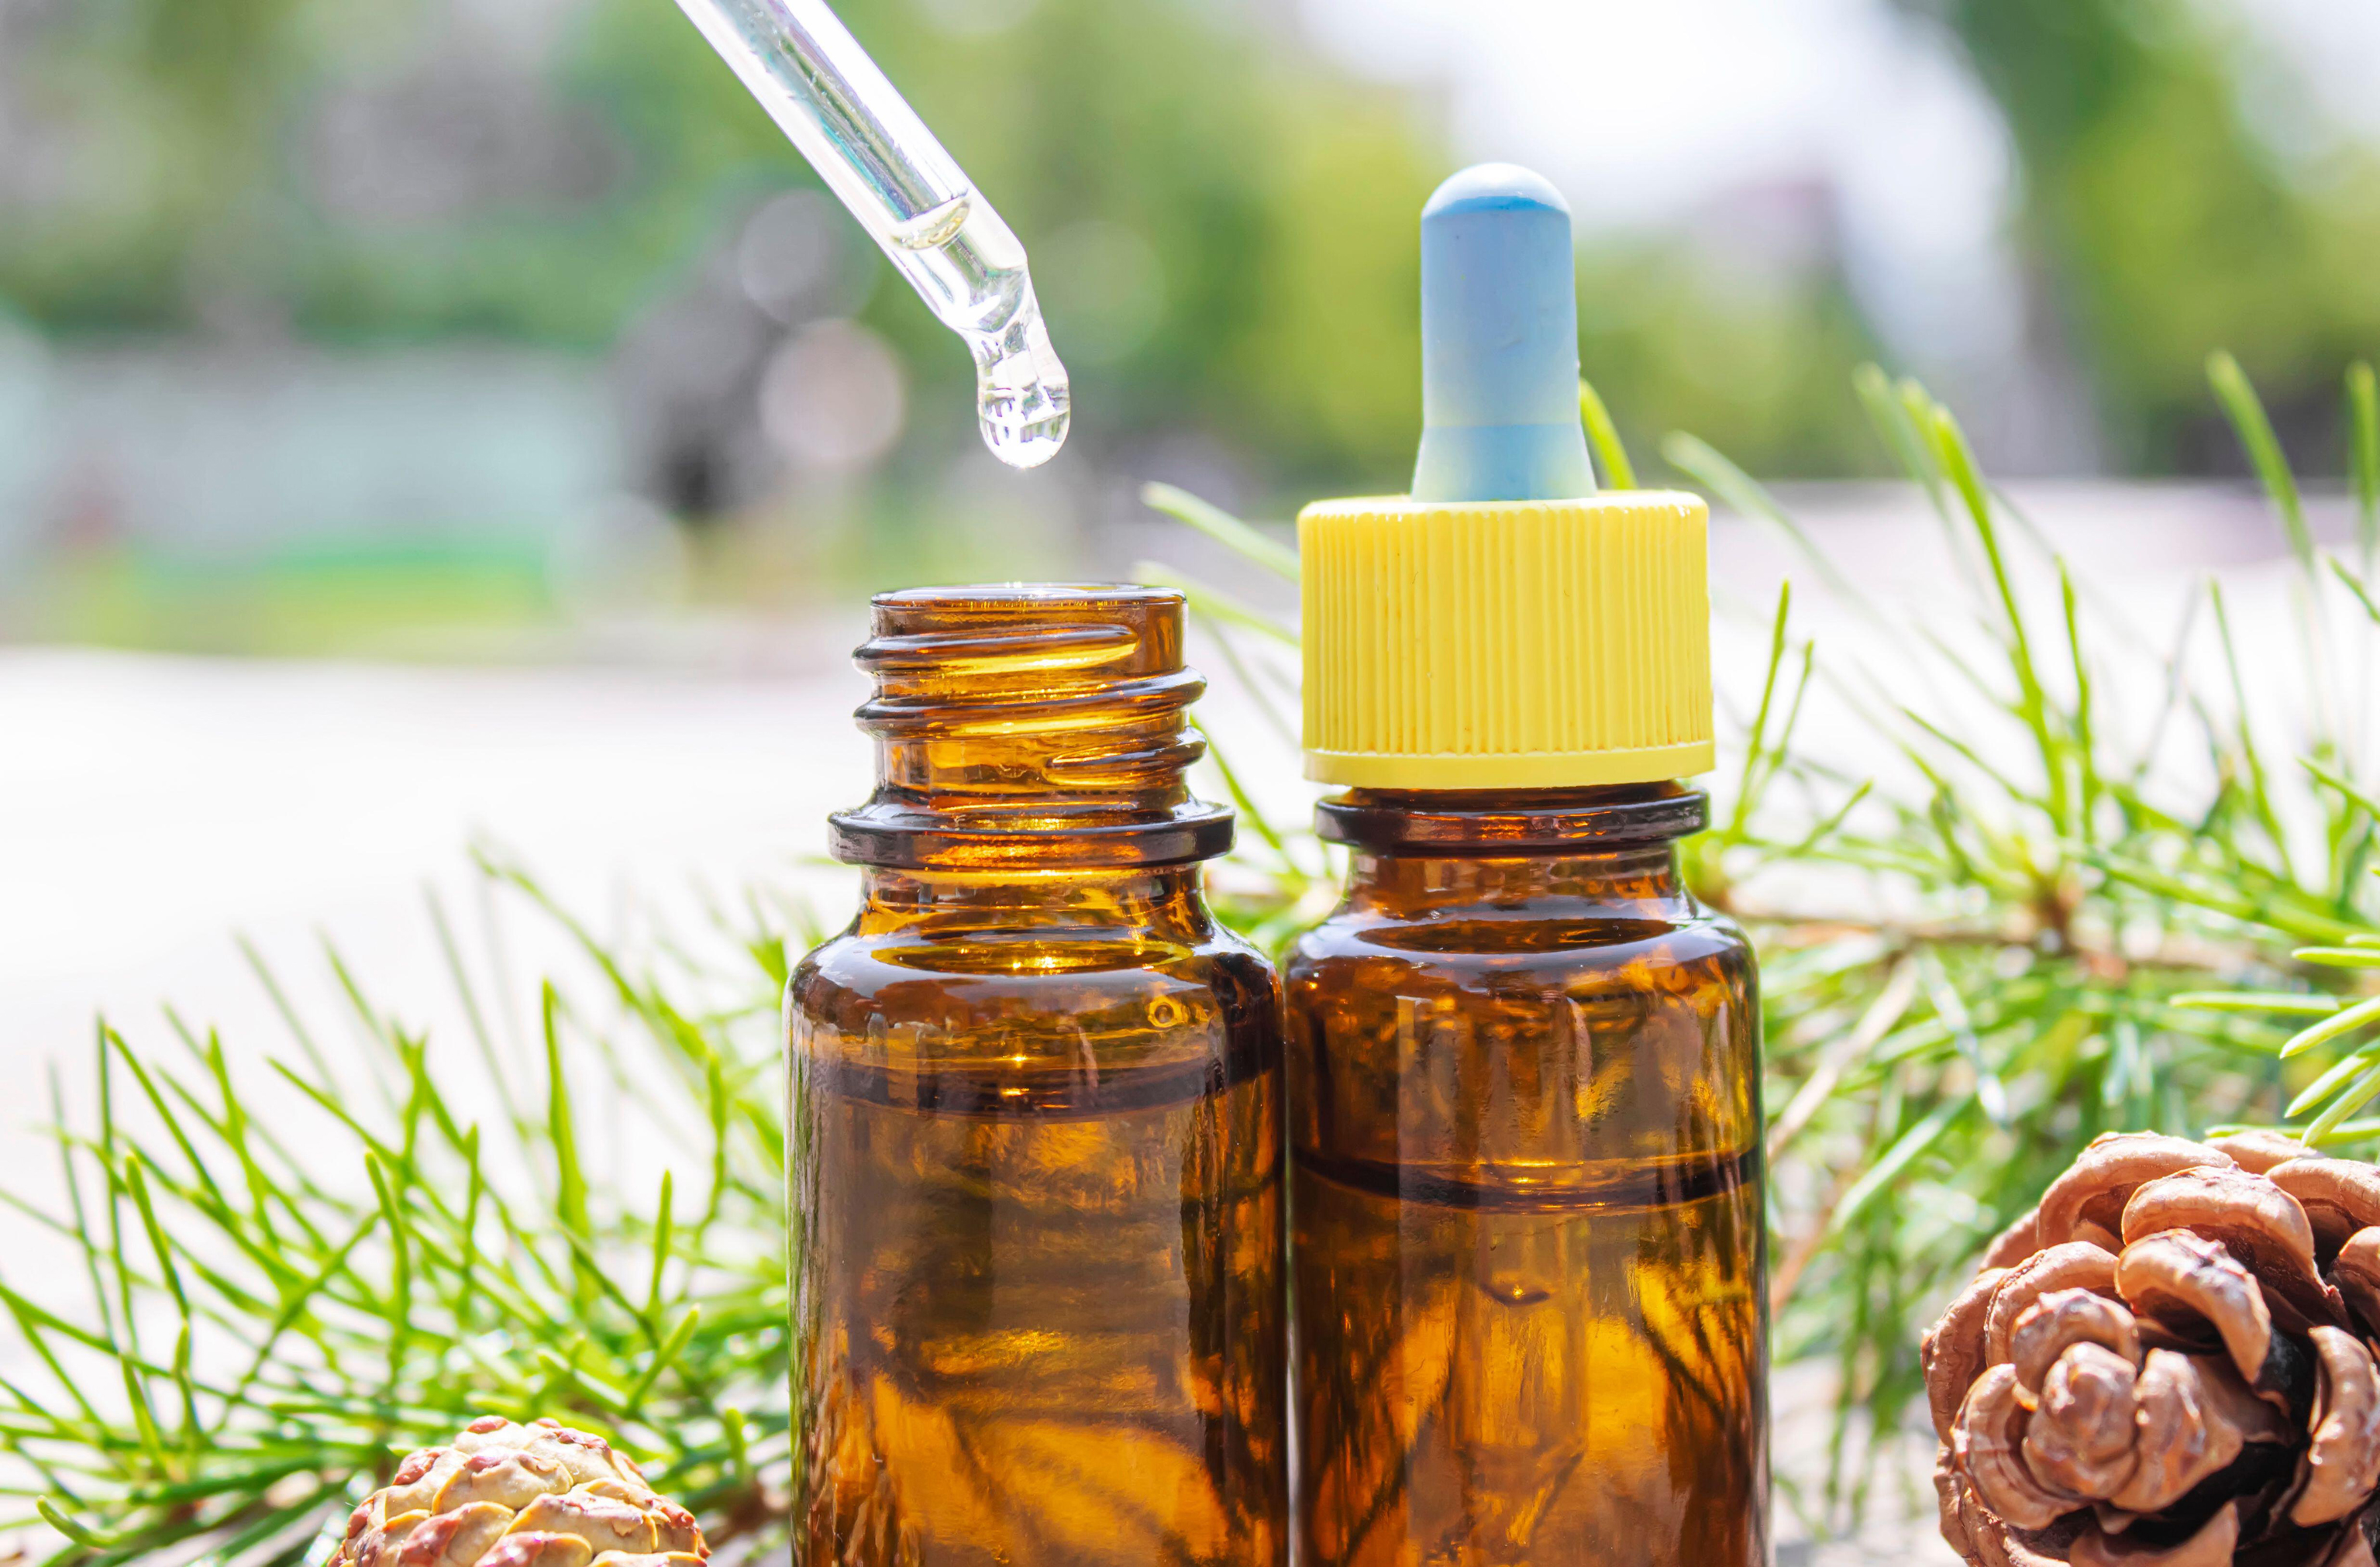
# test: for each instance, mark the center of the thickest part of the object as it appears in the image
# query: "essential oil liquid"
(1022, 400)
(968, 267)
(1549, 1379)
(1041, 1335)
(1527, 1233)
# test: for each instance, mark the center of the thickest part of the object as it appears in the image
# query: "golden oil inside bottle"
(1049, 1332)
(1035, 1124)
(1530, 1325)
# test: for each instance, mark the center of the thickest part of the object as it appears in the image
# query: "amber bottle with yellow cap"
(1035, 1120)
(1523, 1064)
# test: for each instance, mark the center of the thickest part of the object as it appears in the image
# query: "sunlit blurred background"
(465, 327)
(421, 418)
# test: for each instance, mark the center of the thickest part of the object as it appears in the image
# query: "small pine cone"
(502, 1495)
(2170, 1363)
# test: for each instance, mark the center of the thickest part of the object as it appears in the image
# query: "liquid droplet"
(1023, 403)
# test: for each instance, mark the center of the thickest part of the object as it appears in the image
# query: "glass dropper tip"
(1023, 402)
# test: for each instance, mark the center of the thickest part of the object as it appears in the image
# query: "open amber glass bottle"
(1033, 1118)
(1524, 1079)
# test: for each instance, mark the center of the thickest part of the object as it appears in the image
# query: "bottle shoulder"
(1025, 960)
(1033, 999)
(1523, 1045)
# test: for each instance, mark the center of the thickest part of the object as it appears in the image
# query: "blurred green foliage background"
(1222, 217)
(2180, 194)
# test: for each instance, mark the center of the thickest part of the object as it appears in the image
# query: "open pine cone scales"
(540, 1495)
(2169, 1364)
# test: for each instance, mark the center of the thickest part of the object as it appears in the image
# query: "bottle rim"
(1024, 595)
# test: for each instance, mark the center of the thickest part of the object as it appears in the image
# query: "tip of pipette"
(1026, 446)
(1023, 402)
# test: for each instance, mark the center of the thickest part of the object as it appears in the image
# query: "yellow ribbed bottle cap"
(1506, 644)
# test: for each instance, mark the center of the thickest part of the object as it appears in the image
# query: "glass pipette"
(877, 155)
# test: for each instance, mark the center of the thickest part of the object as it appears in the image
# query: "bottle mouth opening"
(1022, 597)
(1012, 641)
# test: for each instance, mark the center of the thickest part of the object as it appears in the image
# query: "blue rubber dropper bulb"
(1499, 343)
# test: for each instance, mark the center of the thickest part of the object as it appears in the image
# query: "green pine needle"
(1610, 454)
(2246, 412)
(1220, 525)
(376, 1284)
(2363, 457)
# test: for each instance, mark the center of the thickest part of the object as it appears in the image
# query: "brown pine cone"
(2169, 1364)
(540, 1495)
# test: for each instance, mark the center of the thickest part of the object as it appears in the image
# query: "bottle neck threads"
(1417, 855)
(1026, 727)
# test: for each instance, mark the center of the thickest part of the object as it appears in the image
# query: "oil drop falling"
(1022, 402)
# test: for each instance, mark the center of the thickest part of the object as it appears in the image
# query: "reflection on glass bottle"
(1034, 1119)
(1527, 1222)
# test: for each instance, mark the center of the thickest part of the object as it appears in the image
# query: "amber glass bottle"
(1523, 1064)
(1033, 1122)
(1528, 1229)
